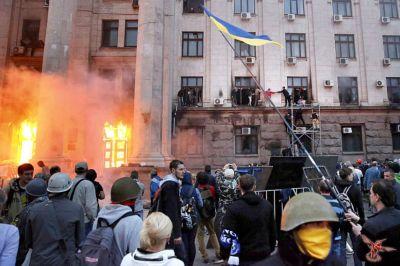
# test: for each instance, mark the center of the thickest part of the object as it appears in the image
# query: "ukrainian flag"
(239, 34)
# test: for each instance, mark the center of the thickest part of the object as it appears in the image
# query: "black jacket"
(354, 196)
(170, 205)
(289, 255)
(382, 225)
(252, 219)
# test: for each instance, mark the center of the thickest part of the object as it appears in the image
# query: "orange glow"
(115, 144)
(27, 141)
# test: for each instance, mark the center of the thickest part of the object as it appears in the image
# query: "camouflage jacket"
(227, 190)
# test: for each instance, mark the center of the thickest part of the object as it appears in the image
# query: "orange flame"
(115, 140)
(27, 141)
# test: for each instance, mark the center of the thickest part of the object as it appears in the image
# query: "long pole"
(290, 129)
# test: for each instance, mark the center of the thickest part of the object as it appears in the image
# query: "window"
(348, 90)
(393, 90)
(296, 45)
(298, 88)
(246, 140)
(294, 7)
(131, 31)
(352, 142)
(344, 44)
(110, 33)
(389, 8)
(192, 44)
(244, 91)
(243, 50)
(193, 6)
(245, 6)
(395, 130)
(191, 92)
(30, 32)
(391, 44)
(342, 7)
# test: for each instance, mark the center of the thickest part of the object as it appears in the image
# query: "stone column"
(149, 145)
(5, 22)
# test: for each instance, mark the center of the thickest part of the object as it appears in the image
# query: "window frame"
(25, 31)
(250, 49)
(186, 7)
(347, 4)
(196, 40)
(290, 44)
(391, 87)
(387, 43)
(254, 134)
(296, 12)
(236, 12)
(361, 134)
(131, 28)
(104, 21)
(351, 46)
(341, 92)
(187, 86)
(242, 86)
(395, 137)
(292, 88)
(394, 10)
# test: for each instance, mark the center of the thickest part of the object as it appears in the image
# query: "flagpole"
(289, 127)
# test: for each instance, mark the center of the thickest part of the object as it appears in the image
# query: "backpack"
(188, 212)
(344, 199)
(208, 210)
(100, 247)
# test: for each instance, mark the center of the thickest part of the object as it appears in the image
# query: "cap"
(83, 166)
(36, 188)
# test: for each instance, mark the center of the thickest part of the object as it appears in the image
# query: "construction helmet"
(124, 189)
(305, 208)
(59, 183)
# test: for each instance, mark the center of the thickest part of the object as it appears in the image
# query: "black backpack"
(208, 210)
(188, 212)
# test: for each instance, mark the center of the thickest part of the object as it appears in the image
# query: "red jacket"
(212, 189)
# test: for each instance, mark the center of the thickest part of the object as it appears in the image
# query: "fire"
(27, 141)
(115, 141)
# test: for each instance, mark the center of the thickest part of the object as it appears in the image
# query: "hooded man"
(15, 191)
(124, 193)
(139, 201)
(36, 192)
(307, 235)
(248, 243)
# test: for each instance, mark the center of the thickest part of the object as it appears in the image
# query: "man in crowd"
(287, 96)
(55, 228)
(248, 226)
(9, 237)
(372, 174)
(119, 214)
(154, 184)
(16, 194)
(84, 193)
(389, 176)
(307, 235)
(211, 177)
(378, 240)
(139, 200)
(169, 203)
(36, 192)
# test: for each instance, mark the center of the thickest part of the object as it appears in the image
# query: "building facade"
(193, 97)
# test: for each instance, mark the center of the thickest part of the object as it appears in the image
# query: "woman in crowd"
(155, 233)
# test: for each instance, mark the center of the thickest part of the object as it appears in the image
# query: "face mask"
(314, 242)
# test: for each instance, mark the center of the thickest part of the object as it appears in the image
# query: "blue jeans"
(339, 247)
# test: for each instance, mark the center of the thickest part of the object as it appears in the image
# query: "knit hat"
(81, 167)
(124, 189)
(36, 188)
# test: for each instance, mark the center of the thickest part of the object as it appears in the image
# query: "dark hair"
(202, 178)
(91, 175)
(174, 164)
(394, 166)
(25, 167)
(55, 169)
(207, 168)
(384, 189)
(134, 174)
(247, 182)
(324, 187)
(345, 172)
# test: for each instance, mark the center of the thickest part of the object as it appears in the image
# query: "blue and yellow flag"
(239, 34)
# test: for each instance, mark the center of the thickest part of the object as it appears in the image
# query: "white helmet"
(59, 183)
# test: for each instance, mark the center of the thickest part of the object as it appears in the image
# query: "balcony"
(29, 57)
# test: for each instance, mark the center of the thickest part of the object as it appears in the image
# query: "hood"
(169, 177)
(251, 198)
(141, 257)
(113, 212)
(343, 183)
(187, 179)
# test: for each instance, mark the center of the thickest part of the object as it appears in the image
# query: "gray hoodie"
(85, 195)
(127, 231)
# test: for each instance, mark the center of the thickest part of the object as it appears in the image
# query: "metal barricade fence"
(279, 197)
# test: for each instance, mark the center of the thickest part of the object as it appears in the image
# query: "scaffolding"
(309, 134)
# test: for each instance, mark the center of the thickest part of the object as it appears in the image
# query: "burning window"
(115, 145)
(27, 141)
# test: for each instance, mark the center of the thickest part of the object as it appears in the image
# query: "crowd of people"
(51, 219)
